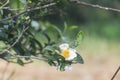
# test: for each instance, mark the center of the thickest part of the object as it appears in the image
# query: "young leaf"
(80, 36)
(78, 39)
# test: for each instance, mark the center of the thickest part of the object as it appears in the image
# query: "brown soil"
(94, 68)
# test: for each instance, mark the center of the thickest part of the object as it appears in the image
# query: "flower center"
(65, 53)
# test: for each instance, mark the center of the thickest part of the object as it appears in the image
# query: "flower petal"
(72, 50)
(72, 54)
(68, 67)
(64, 46)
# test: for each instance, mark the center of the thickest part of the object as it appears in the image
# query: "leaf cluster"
(27, 37)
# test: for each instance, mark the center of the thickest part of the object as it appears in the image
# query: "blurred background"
(100, 48)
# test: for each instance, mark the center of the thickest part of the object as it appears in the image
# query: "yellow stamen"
(65, 53)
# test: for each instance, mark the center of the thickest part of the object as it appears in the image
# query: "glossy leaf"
(79, 59)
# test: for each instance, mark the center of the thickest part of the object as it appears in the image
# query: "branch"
(28, 10)
(4, 4)
(32, 57)
(95, 6)
(52, 4)
(115, 73)
(10, 61)
(16, 9)
(24, 29)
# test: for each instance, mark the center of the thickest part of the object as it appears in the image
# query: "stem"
(32, 57)
(28, 10)
(5, 4)
(95, 6)
(115, 73)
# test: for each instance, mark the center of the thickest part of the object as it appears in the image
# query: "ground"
(101, 59)
(93, 69)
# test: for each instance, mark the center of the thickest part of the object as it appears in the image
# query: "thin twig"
(12, 9)
(52, 4)
(32, 57)
(95, 6)
(115, 73)
(28, 10)
(16, 62)
(4, 4)
(24, 29)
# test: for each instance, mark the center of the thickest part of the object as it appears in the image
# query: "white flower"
(68, 67)
(64, 46)
(66, 52)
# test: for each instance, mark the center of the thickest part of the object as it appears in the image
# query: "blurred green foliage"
(94, 21)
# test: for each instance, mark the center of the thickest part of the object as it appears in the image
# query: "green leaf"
(58, 30)
(79, 59)
(79, 38)
(3, 36)
(37, 42)
(48, 38)
(50, 57)
(1, 12)
(2, 45)
(19, 49)
(58, 56)
(73, 27)
(42, 39)
(51, 63)
(62, 67)
(49, 48)
(53, 31)
(23, 1)
(20, 62)
(6, 55)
